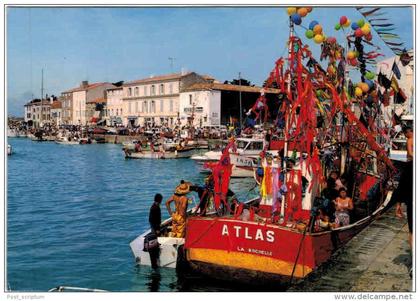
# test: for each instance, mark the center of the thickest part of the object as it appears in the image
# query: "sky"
(113, 44)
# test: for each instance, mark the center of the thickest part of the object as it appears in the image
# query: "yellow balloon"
(365, 29)
(319, 38)
(351, 55)
(358, 91)
(347, 24)
(291, 10)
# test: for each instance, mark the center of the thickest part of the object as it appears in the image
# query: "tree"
(242, 82)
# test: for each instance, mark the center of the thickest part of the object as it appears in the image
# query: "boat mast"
(42, 95)
(289, 88)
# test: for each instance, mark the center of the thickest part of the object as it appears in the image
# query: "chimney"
(84, 84)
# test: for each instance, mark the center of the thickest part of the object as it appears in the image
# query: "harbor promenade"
(378, 259)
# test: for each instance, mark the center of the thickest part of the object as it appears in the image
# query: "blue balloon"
(313, 24)
(296, 19)
(354, 26)
(370, 83)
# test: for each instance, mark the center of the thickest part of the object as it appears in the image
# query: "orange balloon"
(302, 12)
(317, 29)
(365, 87)
(351, 55)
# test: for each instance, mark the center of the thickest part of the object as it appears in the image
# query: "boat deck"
(376, 260)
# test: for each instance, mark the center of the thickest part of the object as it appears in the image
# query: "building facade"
(155, 100)
(114, 106)
(56, 112)
(38, 114)
(80, 96)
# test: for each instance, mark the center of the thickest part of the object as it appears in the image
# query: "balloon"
(358, 33)
(317, 29)
(351, 55)
(368, 37)
(365, 29)
(370, 84)
(337, 26)
(302, 12)
(347, 24)
(291, 10)
(296, 19)
(309, 34)
(318, 38)
(354, 26)
(364, 87)
(331, 40)
(358, 92)
(312, 25)
(361, 22)
(343, 20)
(331, 69)
(353, 62)
(309, 9)
(370, 75)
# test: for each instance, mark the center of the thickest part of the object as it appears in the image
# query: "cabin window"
(242, 144)
(256, 146)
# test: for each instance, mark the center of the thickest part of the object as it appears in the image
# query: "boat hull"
(218, 247)
(160, 155)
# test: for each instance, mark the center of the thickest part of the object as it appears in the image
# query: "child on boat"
(343, 206)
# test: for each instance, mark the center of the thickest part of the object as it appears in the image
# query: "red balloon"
(358, 33)
(353, 62)
(343, 20)
(368, 37)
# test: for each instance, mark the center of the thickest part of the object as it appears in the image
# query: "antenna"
(172, 59)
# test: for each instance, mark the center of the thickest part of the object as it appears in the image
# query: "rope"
(299, 250)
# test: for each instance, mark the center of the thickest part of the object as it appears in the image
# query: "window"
(161, 105)
(171, 105)
(152, 107)
(161, 89)
(129, 107)
(137, 106)
(152, 90)
(129, 91)
(190, 99)
(136, 91)
(145, 90)
(171, 89)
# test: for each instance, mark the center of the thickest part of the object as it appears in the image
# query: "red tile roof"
(88, 87)
(157, 78)
(228, 87)
(56, 104)
(97, 100)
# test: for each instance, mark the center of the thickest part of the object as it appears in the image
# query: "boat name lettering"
(245, 232)
(255, 251)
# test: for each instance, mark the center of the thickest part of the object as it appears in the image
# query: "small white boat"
(148, 154)
(9, 149)
(66, 141)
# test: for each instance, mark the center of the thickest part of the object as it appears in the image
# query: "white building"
(36, 113)
(114, 106)
(203, 105)
(155, 100)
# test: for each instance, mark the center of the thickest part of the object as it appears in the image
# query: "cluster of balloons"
(315, 32)
(297, 13)
(344, 23)
(363, 87)
(352, 56)
(362, 29)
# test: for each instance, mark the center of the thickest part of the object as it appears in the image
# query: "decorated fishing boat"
(330, 181)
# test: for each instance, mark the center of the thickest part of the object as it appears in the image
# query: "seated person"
(343, 206)
(322, 221)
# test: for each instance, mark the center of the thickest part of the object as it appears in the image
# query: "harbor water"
(72, 211)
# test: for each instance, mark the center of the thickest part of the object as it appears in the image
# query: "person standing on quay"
(155, 219)
(404, 191)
